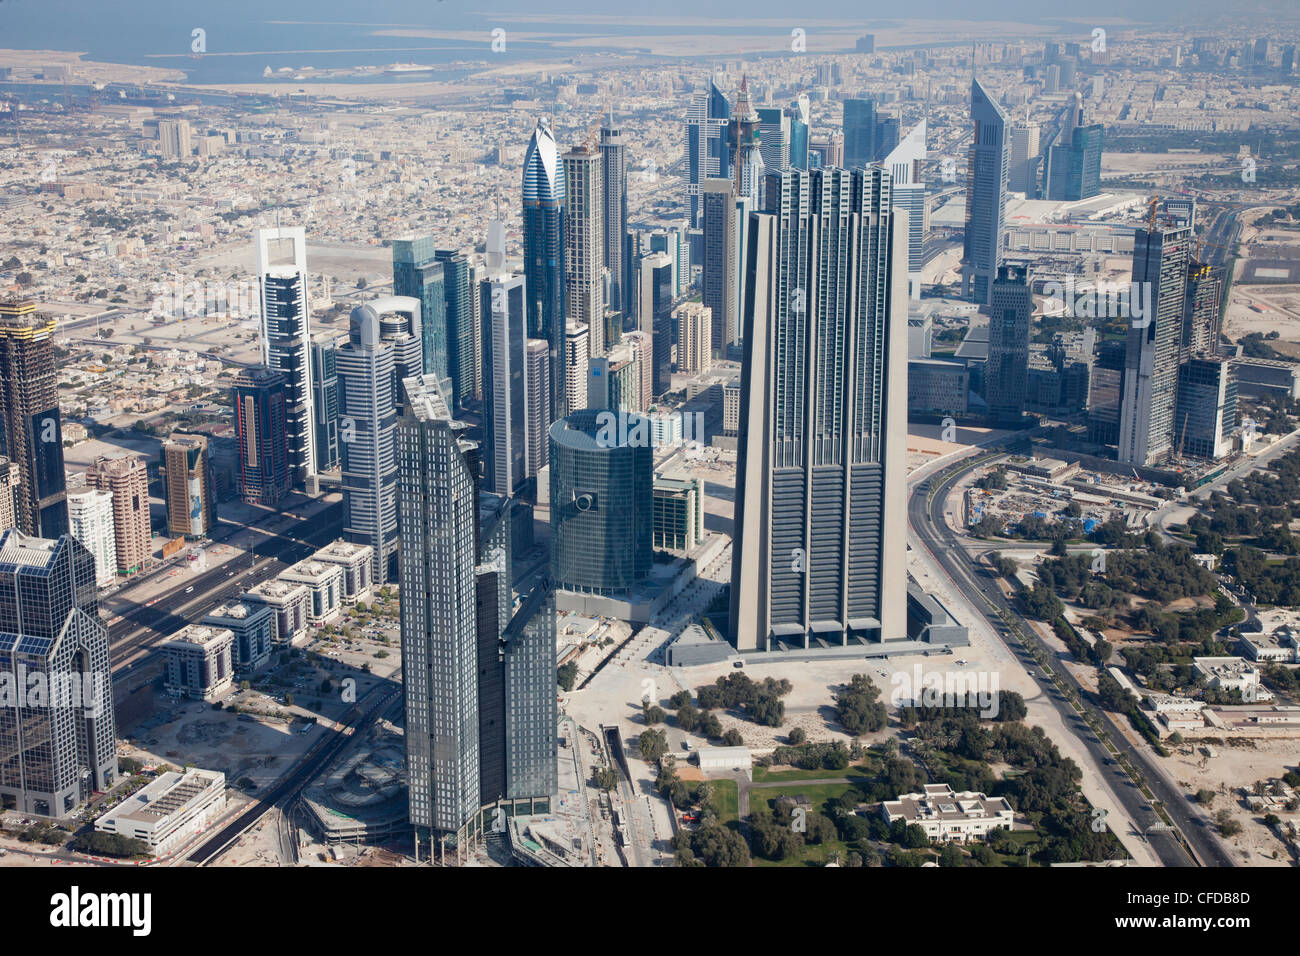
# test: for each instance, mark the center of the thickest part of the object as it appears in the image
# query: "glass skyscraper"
(544, 249)
(707, 151)
(417, 273)
(986, 196)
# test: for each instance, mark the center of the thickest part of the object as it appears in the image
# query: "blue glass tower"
(544, 194)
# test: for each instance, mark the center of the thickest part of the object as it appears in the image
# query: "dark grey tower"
(986, 195)
(1006, 377)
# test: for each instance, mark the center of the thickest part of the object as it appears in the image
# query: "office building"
(678, 513)
(720, 276)
(800, 122)
(694, 337)
(615, 381)
(288, 602)
(576, 365)
(1007, 371)
(418, 274)
(1161, 253)
(707, 151)
(1074, 165)
(31, 431)
(9, 479)
(260, 401)
(820, 540)
(655, 316)
(748, 174)
(616, 255)
(383, 342)
(651, 354)
(460, 290)
(1206, 412)
(199, 662)
(1202, 308)
(252, 632)
(57, 751)
(584, 238)
(438, 516)
(986, 196)
(90, 514)
(601, 502)
(325, 398)
(906, 165)
(536, 389)
(189, 488)
(126, 477)
(937, 387)
(505, 385)
(950, 817)
(286, 341)
(774, 139)
(859, 132)
(355, 561)
(324, 583)
(168, 811)
(1023, 170)
(545, 245)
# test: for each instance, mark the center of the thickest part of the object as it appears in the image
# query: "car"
(738, 664)
(686, 745)
(190, 589)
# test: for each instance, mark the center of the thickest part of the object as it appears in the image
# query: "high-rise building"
(707, 153)
(576, 365)
(747, 172)
(286, 341)
(888, 131)
(544, 253)
(537, 386)
(127, 478)
(906, 165)
(1201, 308)
(1160, 256)
(694, 337)
(616, 255)
(1023, 171)
(90, 514)
(799, 132)
(31, 430)
(8, 493)
(505, 387)
(820, 539)
(417, 273)
(859, 132)
(190, 493)
(774, 139)
(655, 313)
(584, 237)
(720, 274)
(601, 502)
(260, 400)
(384, 342)
(461, 292)
(986, 196)
(1074, 166)
(55, 752)
(615, 381)
(647, 354)
(438, 517)
(325, 397)
(1006, 374)
(1206, 407)
(174, 140)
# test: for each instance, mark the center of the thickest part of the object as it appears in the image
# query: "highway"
(141, 624)
(981, 591)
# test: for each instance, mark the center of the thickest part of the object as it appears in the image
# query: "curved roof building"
(544, 196)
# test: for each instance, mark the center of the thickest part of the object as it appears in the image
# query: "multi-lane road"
(926, 508)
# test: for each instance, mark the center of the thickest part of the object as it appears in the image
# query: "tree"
(796, 736)
(288, 699)
(654, 714)
(688, 718)
(732, 738)
(858, 706)
(567, 676)
(653, 744)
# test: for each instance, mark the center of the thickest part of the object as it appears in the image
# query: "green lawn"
(727, 799)
(768, 775)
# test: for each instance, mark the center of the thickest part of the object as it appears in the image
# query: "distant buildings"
(174, 140)
(260, 399)
(1206, 407)
(460, 294)
(1074, 160)
(819, 540)
(1023, 169)
(30, 425)
(62, 746)
(859, 132)
(127, 478)
(286, 341)
(90, 514)
(720, 277)
(986, 196)
(189, 492)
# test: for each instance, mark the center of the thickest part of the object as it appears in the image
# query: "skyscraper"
(31, 431)
(859, 132)
(1201, 309)
(417, 273)
(820, 538)
(544, 250)
(1206, 407)
(576, 363)
(986, 196)
(1160, 256)
(510, 377)
(906, 165)
(90, 514)
(54, 753)
(461, 293)
(1074, 166)
(438, 519)
(694, 337)
(747, 173)
(286, 341)
(799, 132)
(537, 385)
(584, 236)
(707, 152)
(719, 276)
(190, 495)
(616, 256)
(259, 398)
(601, 502)
(127, 478)
(774, 139)
(1006, 374)
(174, 140)
(325, 397)
(1023, 169)
(383, 342)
